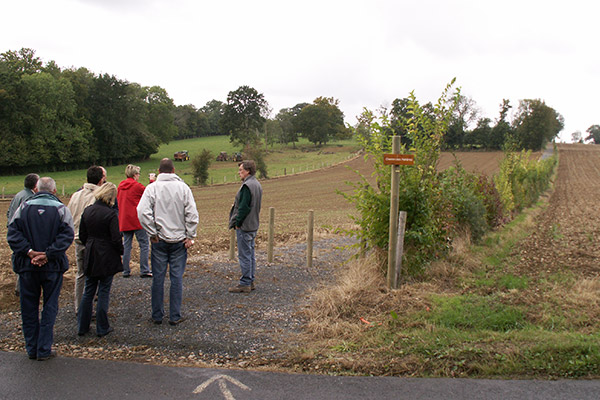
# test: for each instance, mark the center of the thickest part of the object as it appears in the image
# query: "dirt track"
(567, 234)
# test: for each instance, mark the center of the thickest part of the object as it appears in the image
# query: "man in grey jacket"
(167, 211)
(244, 218)
(28, 191)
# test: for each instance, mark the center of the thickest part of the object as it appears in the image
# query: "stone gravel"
(221, 328)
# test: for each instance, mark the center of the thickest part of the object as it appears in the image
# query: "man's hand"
(154, 239)
(188, 243)
(38, 258)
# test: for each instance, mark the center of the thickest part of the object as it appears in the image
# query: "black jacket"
(99, 231)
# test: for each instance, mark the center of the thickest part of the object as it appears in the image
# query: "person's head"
(104, 174)
(132, 170)
(107, 193)
(246, 167)
(95, 174)
(46, 184)
(166, 166)
(31, 181)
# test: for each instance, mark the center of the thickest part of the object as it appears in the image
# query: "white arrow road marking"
(222, 385)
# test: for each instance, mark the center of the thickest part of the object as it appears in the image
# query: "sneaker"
(146, 275)
(156, 321)
(180, 320)
(126, 274)
(240, 289)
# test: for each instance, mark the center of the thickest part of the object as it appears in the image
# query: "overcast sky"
(363, 53)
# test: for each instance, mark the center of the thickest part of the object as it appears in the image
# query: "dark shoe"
(82, 333)
(148, 275)
(240, 289)
(126, 275)
(107, 332)
(47, 357)
(180, 320)
(156, 321)
(32, 356)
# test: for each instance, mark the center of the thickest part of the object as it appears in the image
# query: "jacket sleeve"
(65, 235)
(191, 215)
(83, 233)
(15, 237)
(145, 212)
(115, 233)
(243, 206)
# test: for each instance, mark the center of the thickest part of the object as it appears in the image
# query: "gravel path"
(221, 328)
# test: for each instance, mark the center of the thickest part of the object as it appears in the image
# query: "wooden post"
(284, 171)
(63, 191)
(2, 192)
(271, 234)
(232, 244)
(399, 248)
(394, 191)
(309, 238)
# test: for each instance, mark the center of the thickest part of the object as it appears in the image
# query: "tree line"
(532, 126)
(60, 119)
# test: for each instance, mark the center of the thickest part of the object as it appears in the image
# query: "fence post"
(309, 238)
(63, 191)
(400, 247)
(271, 234)
(232, 244)
(2, 192)
(284, 171)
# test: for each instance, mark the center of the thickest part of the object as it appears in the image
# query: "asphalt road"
(71, 378)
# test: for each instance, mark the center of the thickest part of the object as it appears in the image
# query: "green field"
(280, 160)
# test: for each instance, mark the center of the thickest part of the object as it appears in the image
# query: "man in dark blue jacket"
(39, 235)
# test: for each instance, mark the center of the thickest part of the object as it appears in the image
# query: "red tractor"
(181, 156)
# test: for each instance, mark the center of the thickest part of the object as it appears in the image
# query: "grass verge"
(474, 315)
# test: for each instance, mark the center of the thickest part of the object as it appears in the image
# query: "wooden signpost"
(397, 222)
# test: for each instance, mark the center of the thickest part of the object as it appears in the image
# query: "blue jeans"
(175, 256)
(142, 239)
(39, 335)
(84, 317)
(245, 243)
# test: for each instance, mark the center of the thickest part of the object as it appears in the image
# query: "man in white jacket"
(167, 211)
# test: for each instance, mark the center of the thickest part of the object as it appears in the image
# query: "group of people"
(102, 220)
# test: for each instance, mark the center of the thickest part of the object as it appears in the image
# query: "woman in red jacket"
(129, 194)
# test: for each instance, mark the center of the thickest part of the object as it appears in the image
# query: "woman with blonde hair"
(99, 232)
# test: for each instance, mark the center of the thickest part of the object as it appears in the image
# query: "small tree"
(200, 165)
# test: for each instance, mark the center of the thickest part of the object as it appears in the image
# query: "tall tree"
(243, 115)
(594, 134)
(536, 124)
(214, 110)
(287, 118)
(160, 114)
(322, 121)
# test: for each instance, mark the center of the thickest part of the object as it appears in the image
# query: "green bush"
(200, 165)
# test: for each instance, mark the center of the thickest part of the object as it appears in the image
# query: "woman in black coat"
(99, 232)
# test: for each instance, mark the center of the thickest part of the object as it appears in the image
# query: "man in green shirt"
(244, 218)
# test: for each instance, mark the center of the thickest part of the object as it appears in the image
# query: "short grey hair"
(46, 184)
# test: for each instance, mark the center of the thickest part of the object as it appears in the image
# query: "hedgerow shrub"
(200, 165)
